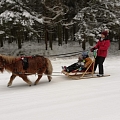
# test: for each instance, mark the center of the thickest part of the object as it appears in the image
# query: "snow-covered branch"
(58, 10)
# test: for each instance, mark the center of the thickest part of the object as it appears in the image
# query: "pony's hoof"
(49, 80)
(30, 85)
(8, 85)
(35, 83)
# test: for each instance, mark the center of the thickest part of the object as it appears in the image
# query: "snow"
(8, 15)
(33, 48)
(63, 98)
(10, 1)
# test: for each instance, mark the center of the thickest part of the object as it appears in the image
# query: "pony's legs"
(11, 80)
(49, 70)
(39, 77)
(49, 78)
(24, 77)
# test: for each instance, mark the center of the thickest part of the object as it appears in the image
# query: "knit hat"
(105, 33)
(85, 53)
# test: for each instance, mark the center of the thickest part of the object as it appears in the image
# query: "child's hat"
(85, 53)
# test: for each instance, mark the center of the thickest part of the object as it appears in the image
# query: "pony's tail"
(49, 69)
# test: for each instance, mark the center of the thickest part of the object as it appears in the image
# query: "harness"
(25, 63)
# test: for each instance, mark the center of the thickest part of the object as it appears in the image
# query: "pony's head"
(1, 64)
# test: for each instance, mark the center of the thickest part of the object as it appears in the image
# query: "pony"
(23, 66)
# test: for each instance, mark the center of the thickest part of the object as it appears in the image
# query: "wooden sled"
(79, 75)
(76, 75)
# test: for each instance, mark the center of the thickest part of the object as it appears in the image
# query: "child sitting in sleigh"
(82, 64)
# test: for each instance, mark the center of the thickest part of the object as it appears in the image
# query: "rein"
(36, 74)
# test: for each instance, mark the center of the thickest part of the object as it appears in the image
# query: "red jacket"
(102, 47)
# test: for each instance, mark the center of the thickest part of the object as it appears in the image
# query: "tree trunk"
(50, 40)
(19, 39)
(66, 35)
(119, 42)
(84, 43)
(19, 44)
(1, 40)
(63, 29)
(46, 38)
(74, 30)
(59, 35)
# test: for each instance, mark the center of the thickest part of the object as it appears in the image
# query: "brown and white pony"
(18, 66)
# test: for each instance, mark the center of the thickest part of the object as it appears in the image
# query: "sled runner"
(81, 75)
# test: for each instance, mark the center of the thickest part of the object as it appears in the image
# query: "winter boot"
(100, 75)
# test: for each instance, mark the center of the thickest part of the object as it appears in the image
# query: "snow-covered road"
(63, 98)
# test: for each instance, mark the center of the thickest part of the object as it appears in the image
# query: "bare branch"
(59, 10)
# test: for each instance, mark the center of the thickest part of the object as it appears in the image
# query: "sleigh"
(84, 74)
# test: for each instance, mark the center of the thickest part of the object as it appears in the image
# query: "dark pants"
(99, 61)
(73, 67)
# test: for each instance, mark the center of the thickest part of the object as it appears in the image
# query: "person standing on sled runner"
(102, 48)
(81, 65)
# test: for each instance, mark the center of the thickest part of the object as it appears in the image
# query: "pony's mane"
(8, 59)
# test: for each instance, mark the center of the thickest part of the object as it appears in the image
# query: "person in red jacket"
(102, 48)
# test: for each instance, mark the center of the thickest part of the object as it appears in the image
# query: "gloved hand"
(92, 49)
(80, 69)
